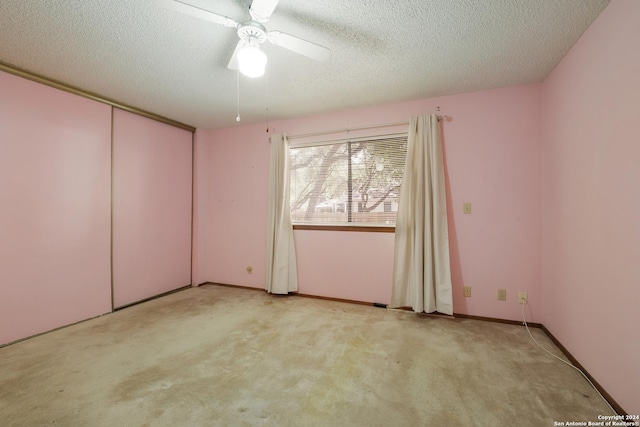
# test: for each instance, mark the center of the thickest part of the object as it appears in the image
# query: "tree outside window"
(348, 182)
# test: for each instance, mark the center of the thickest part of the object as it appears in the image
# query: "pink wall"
(493, 159)
(55, 189)
(152, 176)
(234, 196)
(591, 228)
(346, 265)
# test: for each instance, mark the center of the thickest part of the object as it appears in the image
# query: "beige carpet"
(220, 356)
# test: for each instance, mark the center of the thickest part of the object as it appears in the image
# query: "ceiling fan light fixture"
(251, 60)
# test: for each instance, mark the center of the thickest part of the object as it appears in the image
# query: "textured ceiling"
(142, 54)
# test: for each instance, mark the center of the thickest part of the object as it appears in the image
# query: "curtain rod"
(328, 132)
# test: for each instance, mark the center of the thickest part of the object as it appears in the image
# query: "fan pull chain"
(238, 92)
(267, 81)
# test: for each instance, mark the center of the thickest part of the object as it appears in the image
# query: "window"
(355, 182)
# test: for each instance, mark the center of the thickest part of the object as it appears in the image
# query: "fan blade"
(298, 45)
(233, 62)
(261, 10)
(188, 9)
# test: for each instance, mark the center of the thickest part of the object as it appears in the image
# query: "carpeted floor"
(220, 356)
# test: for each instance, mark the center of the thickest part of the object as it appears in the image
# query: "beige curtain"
(282, 272)
(421, 270)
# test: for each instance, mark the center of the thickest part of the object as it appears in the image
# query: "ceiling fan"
(247, 57)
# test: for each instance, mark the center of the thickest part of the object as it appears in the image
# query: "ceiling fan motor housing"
(252, 30)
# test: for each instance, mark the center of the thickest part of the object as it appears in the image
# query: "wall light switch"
(467, 291)
(466, 208)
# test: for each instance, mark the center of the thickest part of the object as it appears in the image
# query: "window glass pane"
(348, 182)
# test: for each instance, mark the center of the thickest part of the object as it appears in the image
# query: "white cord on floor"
(565, 362)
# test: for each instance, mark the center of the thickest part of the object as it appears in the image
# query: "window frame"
(348, 226)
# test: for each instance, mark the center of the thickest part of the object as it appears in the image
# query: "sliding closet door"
(152, 164)
(55, 185)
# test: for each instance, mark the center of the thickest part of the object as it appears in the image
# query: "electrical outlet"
(467, 291)
(249, 270)
(502, 294)
(522, 297)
